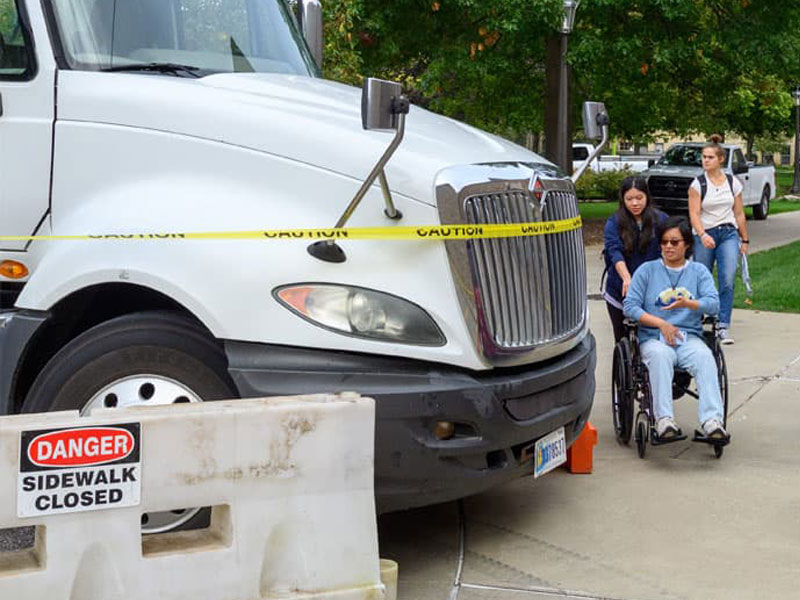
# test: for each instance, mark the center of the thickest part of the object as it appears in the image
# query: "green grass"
(775, 279)
(603, 210)
(777, 207)
(783, 178)
(599, 210)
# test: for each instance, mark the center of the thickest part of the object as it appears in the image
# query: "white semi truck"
(129, 119)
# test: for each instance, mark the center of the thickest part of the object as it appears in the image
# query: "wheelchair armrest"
(631, 328)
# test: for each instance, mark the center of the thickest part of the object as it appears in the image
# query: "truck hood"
(673, 171)
(308, 120)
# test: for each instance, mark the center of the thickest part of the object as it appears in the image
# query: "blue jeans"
(726, 255)
(694, 356)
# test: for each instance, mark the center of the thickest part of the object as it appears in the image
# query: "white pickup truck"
(609, 162)
(128, 120)
(669, 179)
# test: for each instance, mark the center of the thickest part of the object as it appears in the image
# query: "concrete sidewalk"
(678, 525)
(777, 230)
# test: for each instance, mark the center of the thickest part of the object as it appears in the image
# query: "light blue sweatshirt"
(655, 286)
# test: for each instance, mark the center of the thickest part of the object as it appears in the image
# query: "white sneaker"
(667, 428)
(725, 336)
(713, 428)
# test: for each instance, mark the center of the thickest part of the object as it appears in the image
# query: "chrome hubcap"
(147, 390)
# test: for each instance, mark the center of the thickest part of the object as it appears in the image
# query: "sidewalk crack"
(765, 381)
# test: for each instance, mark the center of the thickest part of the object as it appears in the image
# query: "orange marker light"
(13, 269)
(296, 297)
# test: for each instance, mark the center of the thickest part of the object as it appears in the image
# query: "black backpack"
(704, 185)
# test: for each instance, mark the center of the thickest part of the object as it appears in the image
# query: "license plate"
(549, 452)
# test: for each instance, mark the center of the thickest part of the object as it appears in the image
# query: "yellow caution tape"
(437, 232)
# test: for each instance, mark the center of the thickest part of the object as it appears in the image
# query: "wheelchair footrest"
(702, 438)
(657, 441)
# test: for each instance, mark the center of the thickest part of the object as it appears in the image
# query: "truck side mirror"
(595, 118)
(383, 108)
(309, 14)
(382, 103)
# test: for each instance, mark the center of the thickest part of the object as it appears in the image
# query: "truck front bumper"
(498, 414)
(672, 205)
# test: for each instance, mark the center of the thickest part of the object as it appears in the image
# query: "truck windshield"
(208, 36)
(686, 156)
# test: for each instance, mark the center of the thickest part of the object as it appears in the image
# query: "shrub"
(601, 186)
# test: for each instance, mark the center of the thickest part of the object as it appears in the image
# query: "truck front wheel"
(139, 359)
(761, 210)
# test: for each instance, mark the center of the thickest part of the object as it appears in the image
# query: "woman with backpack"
(716, 211)
(629, 241)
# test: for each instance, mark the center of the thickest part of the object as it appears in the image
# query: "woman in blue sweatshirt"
(668, 298)
(629, 241)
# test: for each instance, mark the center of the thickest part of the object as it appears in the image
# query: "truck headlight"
(361, 313)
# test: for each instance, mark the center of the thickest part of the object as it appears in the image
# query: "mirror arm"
(377, 171)
(391, 210)
(595, 153)
(329, 251)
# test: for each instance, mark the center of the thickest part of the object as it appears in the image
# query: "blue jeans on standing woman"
(726, 255)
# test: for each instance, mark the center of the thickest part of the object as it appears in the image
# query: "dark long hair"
(627, 224)
(682, 225)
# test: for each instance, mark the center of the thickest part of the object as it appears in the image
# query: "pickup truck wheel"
(140, 359)
(761, 210)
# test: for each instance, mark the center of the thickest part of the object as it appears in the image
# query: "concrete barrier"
(290, 481)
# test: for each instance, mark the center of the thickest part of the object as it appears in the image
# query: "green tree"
(480, 61)
(689, 66)
(342, 57)
(677, 66)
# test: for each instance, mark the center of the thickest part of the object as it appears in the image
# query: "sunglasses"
(673, 243)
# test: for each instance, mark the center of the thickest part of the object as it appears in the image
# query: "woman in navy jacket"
(629, 241)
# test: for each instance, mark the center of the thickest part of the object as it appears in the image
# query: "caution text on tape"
(432, 232)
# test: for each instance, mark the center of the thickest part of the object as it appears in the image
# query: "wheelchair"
(630, 388)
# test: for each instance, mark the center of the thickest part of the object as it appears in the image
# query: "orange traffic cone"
(579, 455)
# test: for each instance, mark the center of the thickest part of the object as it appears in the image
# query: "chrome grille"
(669, 187)
(528, 290)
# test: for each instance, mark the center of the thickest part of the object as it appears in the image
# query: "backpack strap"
(605, 271)
(703, 187)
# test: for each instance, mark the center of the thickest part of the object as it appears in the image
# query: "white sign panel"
(79, 469)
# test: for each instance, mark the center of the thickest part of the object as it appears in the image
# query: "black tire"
(641, 437)
(622, 392)
(718, 451)
(761, 210)
(722, 374)
(163, 345)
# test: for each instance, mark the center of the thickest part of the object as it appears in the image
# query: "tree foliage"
(675, 66)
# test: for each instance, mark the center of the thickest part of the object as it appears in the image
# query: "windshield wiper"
(156, 67)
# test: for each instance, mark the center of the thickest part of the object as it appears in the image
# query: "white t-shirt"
(717, 207)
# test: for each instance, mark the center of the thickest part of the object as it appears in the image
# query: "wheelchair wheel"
(622, 392)
(641, 434)
(722, 370)
(722, 373)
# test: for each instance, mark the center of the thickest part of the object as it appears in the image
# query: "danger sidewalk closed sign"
(78, 469)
